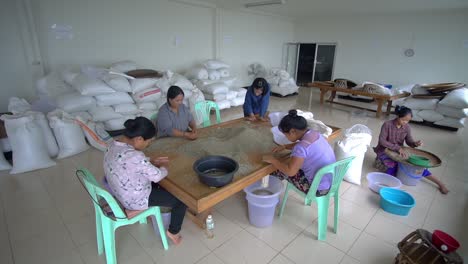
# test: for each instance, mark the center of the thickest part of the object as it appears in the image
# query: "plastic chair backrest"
(337, 170)
(203, 110)
(97, 192)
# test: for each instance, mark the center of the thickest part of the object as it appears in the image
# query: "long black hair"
(402, 111)
(261, 83)
(173, 92)
(292, 120)
(139, 127)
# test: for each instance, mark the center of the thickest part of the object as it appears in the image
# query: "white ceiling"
(305, 8)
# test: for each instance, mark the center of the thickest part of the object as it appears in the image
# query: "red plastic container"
(444, 241)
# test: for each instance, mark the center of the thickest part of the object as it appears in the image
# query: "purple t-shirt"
(317, 153)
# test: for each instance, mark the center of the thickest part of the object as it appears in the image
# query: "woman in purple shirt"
(393, 135)
(310, 152)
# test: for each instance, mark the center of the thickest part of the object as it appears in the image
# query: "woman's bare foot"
(176, 239)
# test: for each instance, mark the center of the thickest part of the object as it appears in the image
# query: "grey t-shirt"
(168, 120)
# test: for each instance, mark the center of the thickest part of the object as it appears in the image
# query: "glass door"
(325, 58)
(290, 56)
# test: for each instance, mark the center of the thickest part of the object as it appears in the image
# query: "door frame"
(334, 56)
(286, 59)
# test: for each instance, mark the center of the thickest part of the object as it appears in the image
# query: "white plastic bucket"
(409, 175)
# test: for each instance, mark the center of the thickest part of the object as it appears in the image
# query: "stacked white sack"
(281, 82)
(454, 108)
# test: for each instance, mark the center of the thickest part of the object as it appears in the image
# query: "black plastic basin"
(215, 171)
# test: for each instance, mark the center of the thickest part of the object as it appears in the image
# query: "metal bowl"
(215, 171)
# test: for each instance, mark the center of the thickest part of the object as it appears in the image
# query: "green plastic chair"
(338, 171)
(108, 222)
(203, 110)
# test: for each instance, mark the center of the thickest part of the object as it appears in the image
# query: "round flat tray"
(434, 161)
(442, 85)
(428, 96)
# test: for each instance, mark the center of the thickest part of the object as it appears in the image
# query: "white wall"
(246, 38)
(109, 30)
(371, 47)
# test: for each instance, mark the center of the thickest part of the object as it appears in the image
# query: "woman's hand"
(160, 161)
(403, 153)
(278, 148)
(269, 159)
(191, 135)
(419, 143)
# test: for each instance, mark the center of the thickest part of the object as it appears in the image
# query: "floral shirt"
(129, 174)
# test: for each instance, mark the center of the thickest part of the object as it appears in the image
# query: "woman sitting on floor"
(257, 100)
(310, 153)
(174, 118)
(392, 136)
(133, 177)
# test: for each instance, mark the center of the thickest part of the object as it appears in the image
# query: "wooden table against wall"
(183, 182)
(379, 98)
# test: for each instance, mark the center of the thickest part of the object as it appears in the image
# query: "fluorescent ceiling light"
(264, 3)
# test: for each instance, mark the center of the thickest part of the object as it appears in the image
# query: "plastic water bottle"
(209, 227)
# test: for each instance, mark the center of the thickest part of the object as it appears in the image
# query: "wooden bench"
(379, 98)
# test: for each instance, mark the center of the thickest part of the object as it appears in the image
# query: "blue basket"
(396, 201)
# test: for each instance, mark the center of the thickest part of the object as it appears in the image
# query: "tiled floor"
(46, 217)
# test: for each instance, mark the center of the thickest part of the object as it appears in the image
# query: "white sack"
(229, 81)
(430, 115)
(27, 143)
(113, 99)
(95, 133)
(160, 102)
(148, 114)
(85, 116)
(355, 143)
(215, 88)
(215, 64)
(231, 95)
(52, 85)
(163, 84)
(5, 144)
(123, 66)
(18, 105)
(451, 111)
(416, 116)
(75, 102)
(127, 109)
(104, 113)
(197, 96)
(273, 80)
(284, 75)
(187, 94)
(90, 86)
(148, 95)
(67, 74)
(223, 104)
(457, 99)
(241, 92)
(417, 89)
(216, 97)
(181, 81)
(319, 126)
(275, 71)
(4, 164)
(421, 104)
(70, 137)
(44, 104)
(117, 124)
(214, 75)
(278, 136)
(49, 137)
(237, 101)
(198, 73)
(117, 82)
(451, 122)
(224, 72)
(147, 106)
(142, 84)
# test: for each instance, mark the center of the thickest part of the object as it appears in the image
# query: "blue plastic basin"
(396, 201)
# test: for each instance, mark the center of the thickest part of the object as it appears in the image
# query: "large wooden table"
(379, 98)
(236, 136)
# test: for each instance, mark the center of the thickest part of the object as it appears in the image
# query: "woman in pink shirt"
(393, 135)
(133, 177)
(310, 152)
